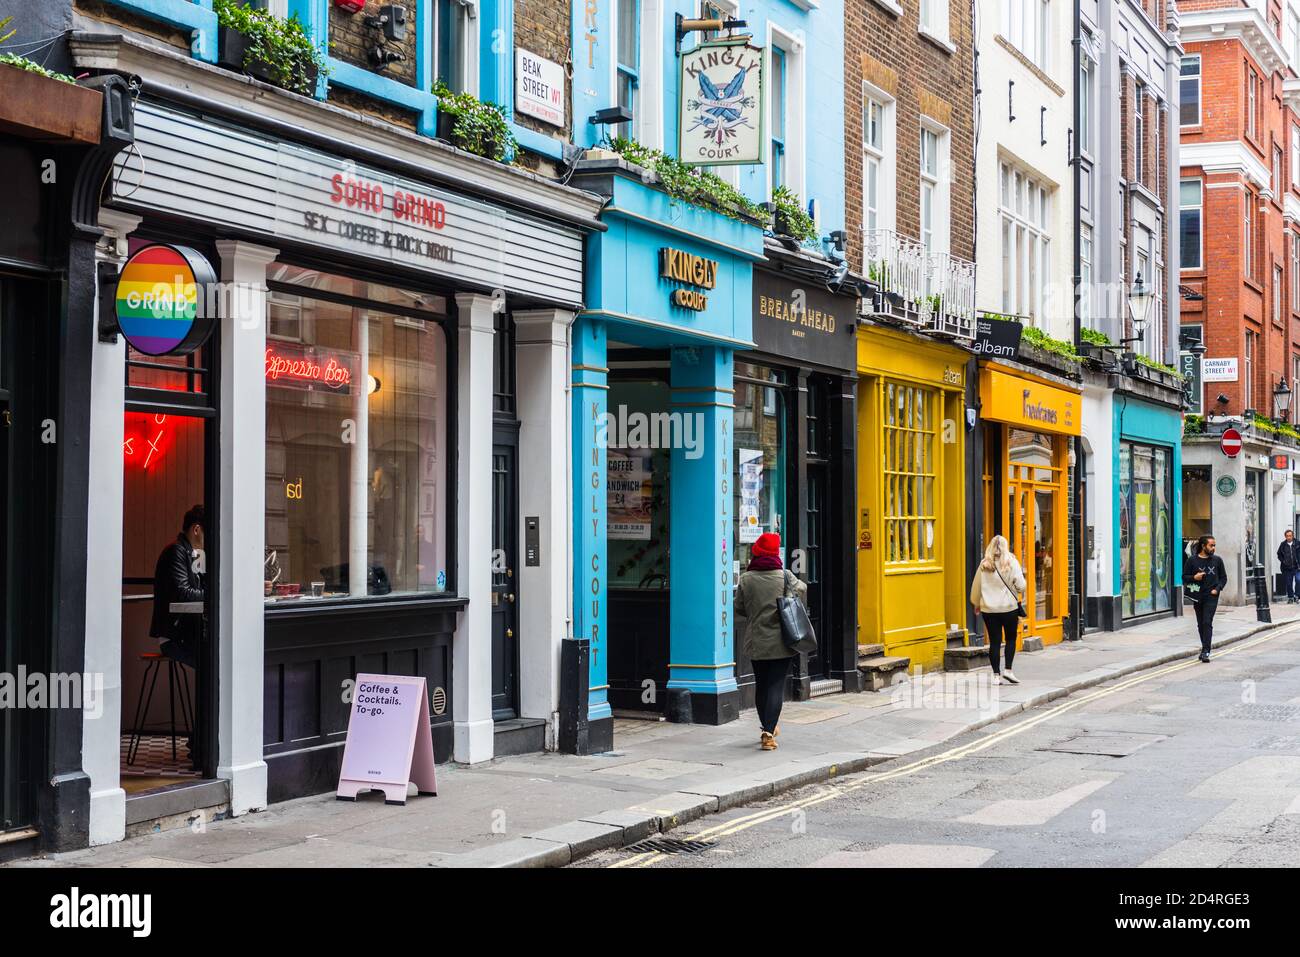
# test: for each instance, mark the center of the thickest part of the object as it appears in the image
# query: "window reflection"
(356, 466)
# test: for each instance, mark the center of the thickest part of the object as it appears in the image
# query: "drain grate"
(1262, 712)
(670, 845)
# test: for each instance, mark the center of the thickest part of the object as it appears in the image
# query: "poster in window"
(629, 492)
(1141, 548)
(721, 107)
(751, 490)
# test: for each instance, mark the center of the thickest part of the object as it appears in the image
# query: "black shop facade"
(795, 434)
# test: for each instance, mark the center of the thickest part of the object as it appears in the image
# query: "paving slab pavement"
(545, 810)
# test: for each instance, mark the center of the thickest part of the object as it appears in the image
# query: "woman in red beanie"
(762, 583)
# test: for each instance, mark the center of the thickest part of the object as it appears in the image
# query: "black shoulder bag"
(796, 629)
(1020, 606)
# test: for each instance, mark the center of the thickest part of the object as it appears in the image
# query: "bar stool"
(177, 687)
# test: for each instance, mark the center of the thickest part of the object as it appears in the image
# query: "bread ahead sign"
(720, 113)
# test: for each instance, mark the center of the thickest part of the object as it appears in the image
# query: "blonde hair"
(997, 555)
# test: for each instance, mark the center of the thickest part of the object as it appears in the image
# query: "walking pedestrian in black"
(1288, 556)
(995, 592)
(1204, 579)
(763, 582)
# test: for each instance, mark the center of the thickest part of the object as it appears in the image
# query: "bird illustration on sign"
(719, 111)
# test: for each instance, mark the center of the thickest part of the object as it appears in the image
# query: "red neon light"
(331, 373)
(155, 446)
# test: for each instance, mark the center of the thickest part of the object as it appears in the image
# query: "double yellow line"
(831, 792)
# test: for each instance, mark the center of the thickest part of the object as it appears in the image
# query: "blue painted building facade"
(661, 631)
(1147, 519)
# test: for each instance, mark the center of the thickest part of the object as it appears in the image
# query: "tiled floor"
(154, 758)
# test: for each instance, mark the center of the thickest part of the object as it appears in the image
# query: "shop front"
(1148, 509)
(49, 691)
(1029, 423)
(911, 522)
(795, 470)
(654, 454)
(349, 436)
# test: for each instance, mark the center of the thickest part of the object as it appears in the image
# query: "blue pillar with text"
(590, 401)
(702, 657)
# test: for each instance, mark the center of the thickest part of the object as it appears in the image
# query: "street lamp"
(1139, 307)
(1281, 400)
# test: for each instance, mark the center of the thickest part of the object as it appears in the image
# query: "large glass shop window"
(1146, 528)
(356, 453)
(908, 435)
(1198, 504)
(1032, 489)
(760, 475)
(638, 457)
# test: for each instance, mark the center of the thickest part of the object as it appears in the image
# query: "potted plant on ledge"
(269, 48)
(36, 102)
(789, 218)
(476, 127)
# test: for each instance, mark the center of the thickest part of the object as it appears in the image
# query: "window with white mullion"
(873, 160)
(777, 85)
(627, 67)
(1024, 211)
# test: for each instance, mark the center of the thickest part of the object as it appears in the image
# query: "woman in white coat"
(995, 592)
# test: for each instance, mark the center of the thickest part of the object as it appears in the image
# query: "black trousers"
(1205, 609)
(769, 689)
(1000, 628)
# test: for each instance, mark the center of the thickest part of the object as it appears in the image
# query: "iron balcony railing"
(934, 290)
(897, 264)
(951, 303)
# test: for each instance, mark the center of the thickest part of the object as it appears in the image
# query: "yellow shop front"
(1027, 425)
(911, 494)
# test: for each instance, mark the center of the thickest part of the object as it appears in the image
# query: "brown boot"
(767, 741)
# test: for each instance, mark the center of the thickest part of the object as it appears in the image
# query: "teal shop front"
(669, 295)
(1148, 508)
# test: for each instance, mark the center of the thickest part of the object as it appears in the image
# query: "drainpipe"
(1076, 160)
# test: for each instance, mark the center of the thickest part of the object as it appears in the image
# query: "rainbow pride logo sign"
(162, 297)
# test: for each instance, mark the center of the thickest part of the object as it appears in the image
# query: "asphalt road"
(1186, 765)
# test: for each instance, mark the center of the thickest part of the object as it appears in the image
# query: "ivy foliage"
(31, 66)
(479, 128)
(790, 214)
(1094, 338)
(283, 45)
(1193, 424)
(686, 183)
(1153, 364)
(1270, 427)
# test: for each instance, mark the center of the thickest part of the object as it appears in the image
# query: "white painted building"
(1024, 191)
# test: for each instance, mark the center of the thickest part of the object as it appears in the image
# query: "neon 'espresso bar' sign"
(307, 369)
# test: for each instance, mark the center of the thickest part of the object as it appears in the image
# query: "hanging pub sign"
(720, 111)
(165, 300)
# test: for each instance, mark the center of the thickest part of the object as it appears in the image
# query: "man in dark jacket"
(178, 577)
(1288, 556)
(1204, 579)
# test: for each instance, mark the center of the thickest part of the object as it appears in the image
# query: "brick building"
(1239, 212)
(910, 220)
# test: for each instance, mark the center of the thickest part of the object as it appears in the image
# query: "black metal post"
(1262, 610)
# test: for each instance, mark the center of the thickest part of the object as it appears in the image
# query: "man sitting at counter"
(178, 577)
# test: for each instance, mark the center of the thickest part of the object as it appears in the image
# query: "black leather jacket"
(174, 579)
(1288, 554)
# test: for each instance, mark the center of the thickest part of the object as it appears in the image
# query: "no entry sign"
(1230, 443)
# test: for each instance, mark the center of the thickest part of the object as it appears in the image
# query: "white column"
(241, 522)
(542, 386)
(359, 500)
(472, 647)
(102, 724)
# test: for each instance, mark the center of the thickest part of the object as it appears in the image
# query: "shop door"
(815, 531)
(505, 548)
(169, 656)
